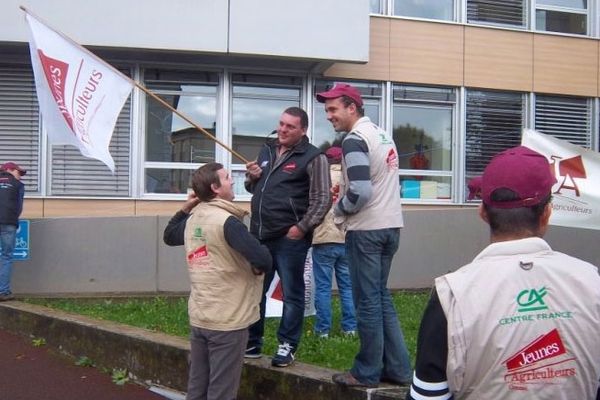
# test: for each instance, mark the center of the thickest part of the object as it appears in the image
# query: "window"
(19, 122)
(375, 7)
(430, 9)
(423, 126)
(494, 122)
(257, 104)
(174, 148)
(567, 16)
(323, 135)
(566, 118)
(76, 175)
(501, 12)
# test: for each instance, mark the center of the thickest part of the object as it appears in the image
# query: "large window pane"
(174, 181)
(423, 124)
(566, 118)
(19, 122)
(257, 104)
(375, 7)
(494, 122)
(431, 9)
(323, 135)
(423, 135)
(504, 12)
(557, 21)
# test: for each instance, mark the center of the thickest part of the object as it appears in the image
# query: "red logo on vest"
(290, 167)
(542, 348)
(392, 159)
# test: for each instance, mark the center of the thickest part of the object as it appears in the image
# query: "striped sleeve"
(430, 381)
(358, 170)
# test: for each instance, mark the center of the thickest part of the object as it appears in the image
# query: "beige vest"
(523, 323)
(328, 232)
(225, 294)
(384, 209)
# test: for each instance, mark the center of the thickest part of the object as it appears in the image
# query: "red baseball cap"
(11, 165)
(520, 169)
(339, 90)
(334, 153)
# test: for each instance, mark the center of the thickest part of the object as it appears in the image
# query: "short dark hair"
(203, 178)
(518, 220)
(300, 113)
(347, 100)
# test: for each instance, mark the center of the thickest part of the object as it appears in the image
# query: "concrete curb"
(156, 358)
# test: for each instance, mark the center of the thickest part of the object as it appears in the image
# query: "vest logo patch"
(290, 167)
(392, 159)
(264, 163)
(542, 362)
(532, 307)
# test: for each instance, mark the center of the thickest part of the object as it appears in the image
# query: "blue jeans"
(327, 258)
(8, 236)
(382, 351)
(289, 257)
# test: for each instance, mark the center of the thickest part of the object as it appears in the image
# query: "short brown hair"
(203, 178)
(300, 113)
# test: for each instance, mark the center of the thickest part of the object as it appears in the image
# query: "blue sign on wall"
(22, 243)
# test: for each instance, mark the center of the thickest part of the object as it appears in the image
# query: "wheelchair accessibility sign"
(22, 241)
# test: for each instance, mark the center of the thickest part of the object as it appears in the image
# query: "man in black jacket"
(12, 192)
(290, 186)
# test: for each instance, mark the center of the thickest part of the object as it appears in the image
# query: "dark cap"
(525, 172)
(11, 165)
(339, 90)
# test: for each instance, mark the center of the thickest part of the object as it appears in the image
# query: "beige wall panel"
(378, 67)
(33, 208)
(565, 65)
(498, 59)
(426, 52)
(88, 208)
(166, 207)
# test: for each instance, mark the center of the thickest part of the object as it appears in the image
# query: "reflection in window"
(567, 16)
(431, 9)
(257, 104)
(375, 7)
(174, 181)
(169, 138)
(423, 132)
(323, 135)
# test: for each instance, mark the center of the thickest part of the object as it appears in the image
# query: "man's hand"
(191, 202)
(253, 170)
(295, 233)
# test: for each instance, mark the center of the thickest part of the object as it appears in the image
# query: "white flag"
(80, 96)
(576, 194)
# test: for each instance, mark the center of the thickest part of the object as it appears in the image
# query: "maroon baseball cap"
(11, 165)
(334, 153)
(339, 90)
(520, 169)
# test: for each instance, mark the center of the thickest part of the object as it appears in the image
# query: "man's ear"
(483, 214)
(545, 219)
(214, 188)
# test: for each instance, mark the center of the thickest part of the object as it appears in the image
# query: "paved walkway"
(31, 373)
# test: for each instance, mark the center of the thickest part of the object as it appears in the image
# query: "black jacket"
(11, 198)
(280, 195)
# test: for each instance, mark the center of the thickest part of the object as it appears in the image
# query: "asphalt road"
(28, 372)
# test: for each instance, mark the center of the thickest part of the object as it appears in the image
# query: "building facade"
(456, 81)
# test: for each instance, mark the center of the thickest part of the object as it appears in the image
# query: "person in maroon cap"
(370, 211)
(12, 192)
(521, 321)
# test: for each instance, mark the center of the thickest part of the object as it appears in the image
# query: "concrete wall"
(126, 254)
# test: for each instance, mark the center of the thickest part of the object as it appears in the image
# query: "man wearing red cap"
(12, 192)
(521, 321)
(370, 211)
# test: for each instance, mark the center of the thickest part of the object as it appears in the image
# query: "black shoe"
(6, 297)
(284, 355)
(252, 352)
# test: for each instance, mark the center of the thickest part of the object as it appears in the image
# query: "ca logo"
(532, 300)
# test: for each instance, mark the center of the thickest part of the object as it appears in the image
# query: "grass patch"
(169, 315)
